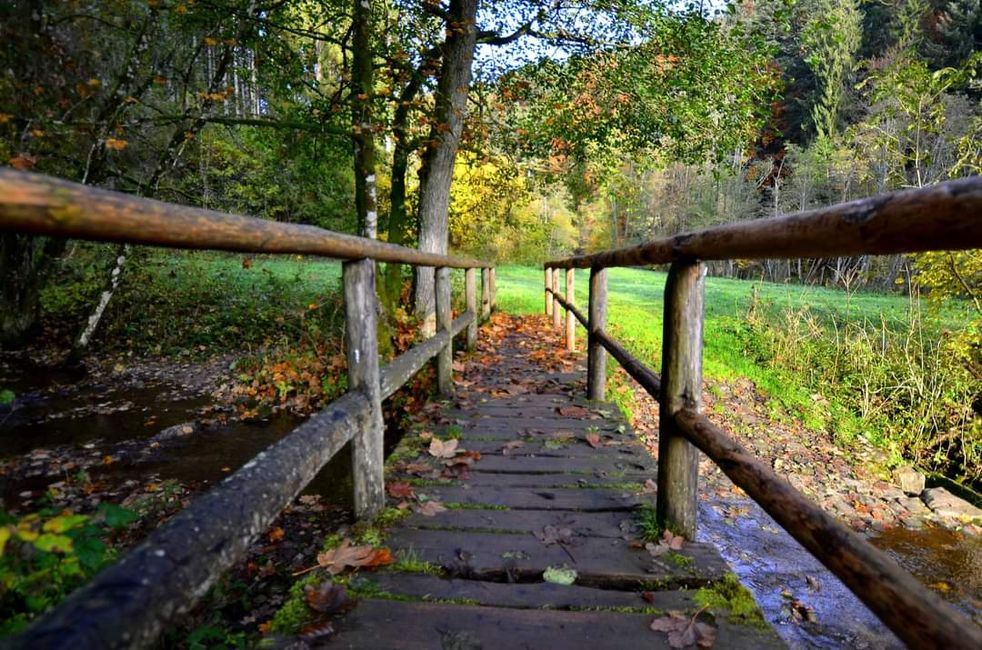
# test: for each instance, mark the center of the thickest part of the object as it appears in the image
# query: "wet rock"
(910, 480)
(176, 431)
(946, 504)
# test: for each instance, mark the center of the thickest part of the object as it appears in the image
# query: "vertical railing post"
(570, 318)
(470, 297)
(485, 293)
(557, 309)
(361, 343)
(596, 372)
(494, 290)
(548, 295)
(444, 359)
(678, 459)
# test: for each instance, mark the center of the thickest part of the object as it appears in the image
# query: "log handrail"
(128, 604)
(947, 216)
(42, 205)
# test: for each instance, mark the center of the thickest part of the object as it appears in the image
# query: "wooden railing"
(942, 217)
(129, 603)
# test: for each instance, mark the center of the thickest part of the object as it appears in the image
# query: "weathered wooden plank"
(577, 448)
(470, 299)
(916, 614)
(42, 205)
(394, 625)
(583, 500)
(596, 356)
(444, 358)
(678, 460)
(494, 289)
(939, 217)
(542, 595)
(129, 603)
(589, 524)
(605, 562)
(361, 345)
(580, 479)
(552, 465)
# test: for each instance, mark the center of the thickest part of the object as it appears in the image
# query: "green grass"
(733, 348)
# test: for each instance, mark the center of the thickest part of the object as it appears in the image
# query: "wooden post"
(596, 373)
(361, 343)
(470, 293)
(548, 295)
(570, 319)
(494, 289)
(444, 360)
(485, 293)
(681, 376)
(557, 309)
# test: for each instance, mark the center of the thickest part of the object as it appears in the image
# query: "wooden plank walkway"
(540, 496)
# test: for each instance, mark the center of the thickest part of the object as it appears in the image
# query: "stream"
(68, 421)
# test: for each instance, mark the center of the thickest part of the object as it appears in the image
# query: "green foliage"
(46, 555)
(7, 397)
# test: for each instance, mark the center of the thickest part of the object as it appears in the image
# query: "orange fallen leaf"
(276, 534)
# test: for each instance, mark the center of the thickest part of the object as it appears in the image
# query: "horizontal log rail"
(41, 205)
(947, 216)
(918, 615)
(131, 602)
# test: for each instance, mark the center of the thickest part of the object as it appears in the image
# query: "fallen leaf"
(326, 598)
(510, 446)
(684, 631)
(593, 439)
(554, 535)
(572, 411)
(430, 508)
(650, 487)
(276, 534)
(23, 161)
(400, 490)
(441, 449)
(347, 556)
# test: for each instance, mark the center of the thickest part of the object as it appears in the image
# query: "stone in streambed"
(945, 504)
(910, 480)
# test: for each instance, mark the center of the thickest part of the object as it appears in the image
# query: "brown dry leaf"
(554, 535)
(23, 161)
(441, 449)
(650, 487)
(430, 508)
(326, 598)
(417, 468)
(276, 534)
(510, 446)
(593, 439)
(684, 631)
(425, 435)
(668, 542)
(347, 556)
(572, 411)
(400, 490)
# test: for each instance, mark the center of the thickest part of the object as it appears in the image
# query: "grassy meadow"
(844, 364)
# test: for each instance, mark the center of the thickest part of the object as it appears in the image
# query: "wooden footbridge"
(555, 496)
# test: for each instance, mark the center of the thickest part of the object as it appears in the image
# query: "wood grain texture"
(940, 217)
(42, 205)
(596, 356)
(485, 293)
(470, 299)
(361, 346)
(681, 383)
(548, 291)
(570, 302)
(444, 358)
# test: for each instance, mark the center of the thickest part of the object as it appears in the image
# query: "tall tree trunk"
(364, 140)
(438, 161)
(24, 261)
